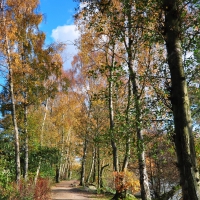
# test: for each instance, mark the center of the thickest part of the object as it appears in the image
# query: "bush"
(126, 181)
(4, 193)
(27, 190)
(42, 189)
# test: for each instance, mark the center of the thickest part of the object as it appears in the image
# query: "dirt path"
(67, 190)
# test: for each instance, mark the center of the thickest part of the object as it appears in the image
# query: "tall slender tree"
(174, 11)
(7, 52)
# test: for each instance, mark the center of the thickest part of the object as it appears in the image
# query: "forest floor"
(68, 190)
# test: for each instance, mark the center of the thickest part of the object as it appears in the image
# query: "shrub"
(27, 190)
(126, 181)
(42, 189)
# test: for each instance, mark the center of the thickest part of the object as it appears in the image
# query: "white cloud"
(66, 34)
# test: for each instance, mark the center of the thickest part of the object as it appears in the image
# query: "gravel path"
(67, 190)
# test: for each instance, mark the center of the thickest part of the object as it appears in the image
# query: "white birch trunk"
(11, 87)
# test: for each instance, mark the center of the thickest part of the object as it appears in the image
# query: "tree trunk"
(101, 175)
(43, 122)
(128, 135)
(57, 174)
(98, 168)
(184, 141)
(14, 117)
(144, 183)
(69, 175)
(92, 165)
(111, 117)
(62, 170)
(37, 172)
(82, 181)
(26, 143)
(41, 141)
(94, 170)
(11, 87)
(62, 155)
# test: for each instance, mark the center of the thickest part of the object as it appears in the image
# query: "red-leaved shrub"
(28, 190)
(42, 189)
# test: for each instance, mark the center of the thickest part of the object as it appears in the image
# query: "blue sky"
(58, 25)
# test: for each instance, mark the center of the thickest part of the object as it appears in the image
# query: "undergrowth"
(27, 190)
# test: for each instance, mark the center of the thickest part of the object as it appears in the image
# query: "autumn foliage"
(113, 110)
(126, 181)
